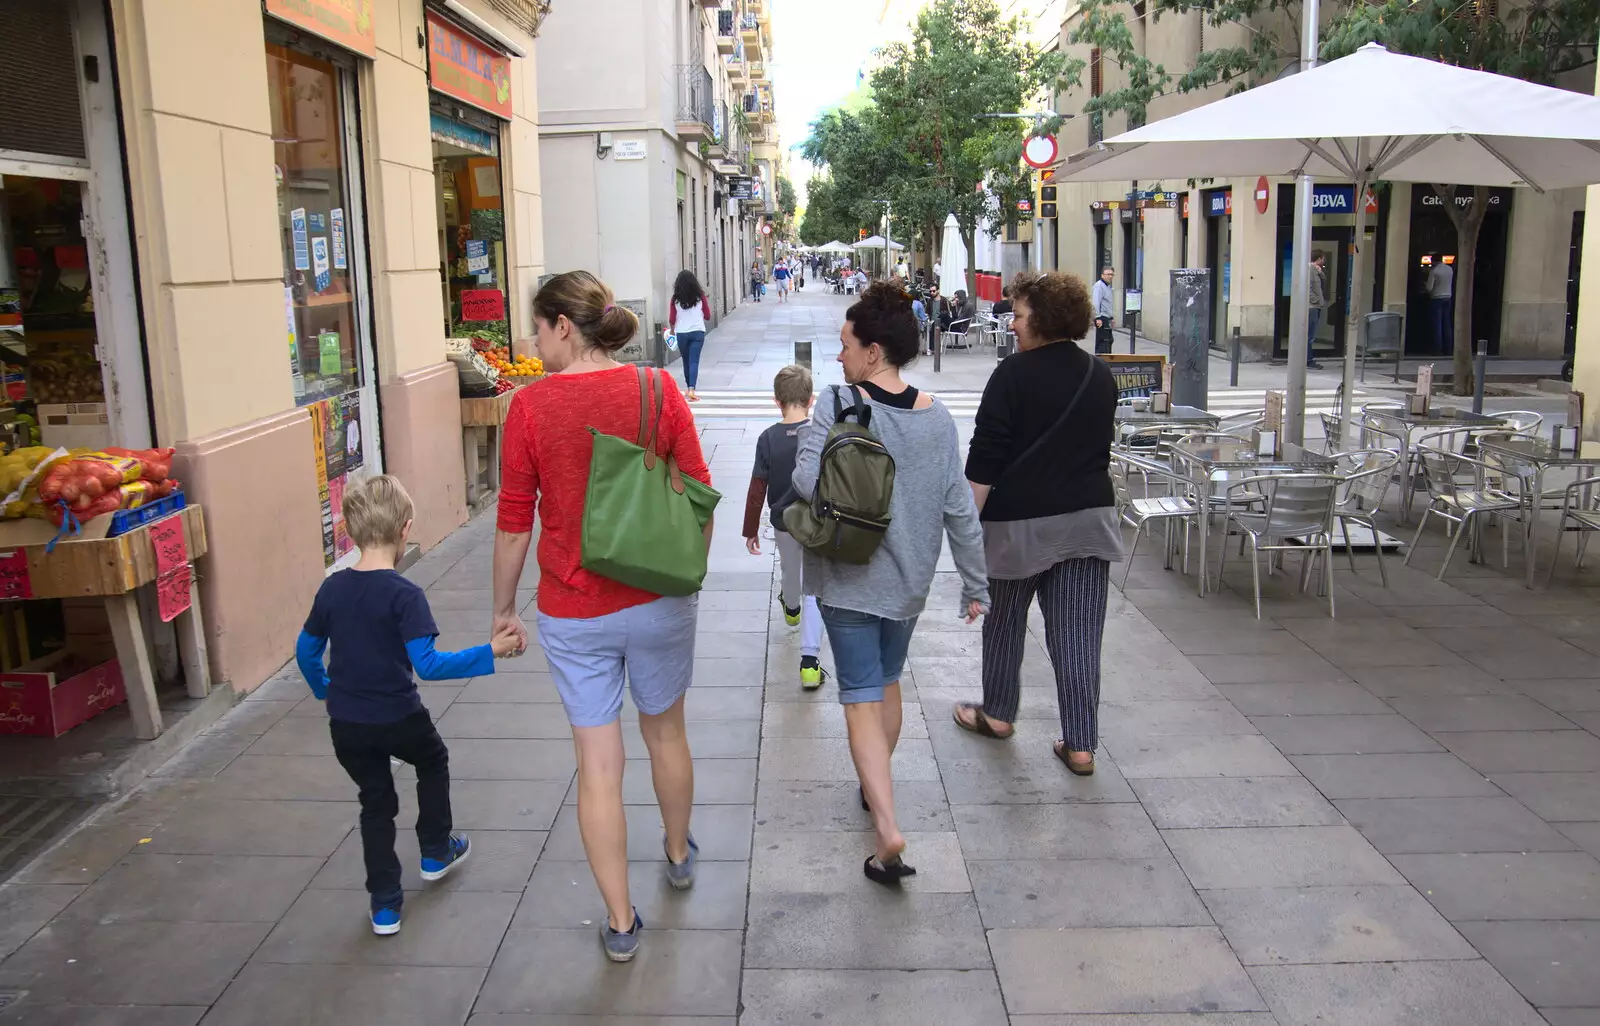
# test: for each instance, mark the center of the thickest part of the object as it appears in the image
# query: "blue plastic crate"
(125, 520)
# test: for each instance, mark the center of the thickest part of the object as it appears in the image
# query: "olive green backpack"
(848, 515)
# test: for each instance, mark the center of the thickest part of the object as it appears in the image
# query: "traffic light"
(1047, 202)
(863, 234)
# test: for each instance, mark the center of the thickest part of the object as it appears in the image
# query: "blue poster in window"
(318, 222)
(340, 259)
(319, 256)
(477, 256)
(297, 229)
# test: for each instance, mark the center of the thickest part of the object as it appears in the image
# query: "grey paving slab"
(295, 735)
(266, 994)
(1157, 718)
(1551, 963)
(801, 997)
(196, 888)
(1056, 893)
(317, 778)
(826, 719)
(1585, 835)
(741, 672)
(716, 782)
(462, 928)
(1517, 885)
(828, 758)
(1399, 775)
(1461, 993)
(1195, 1018)
(1153, 969)
(729, 645)
(1325, 697)
(1553, 659)
(1403, 826)
(1189, 802)
(677, 972)
(1239, 755)
(1056, 832)
(505, 804)
(1392, 681)
(1022, 771)
(830, 862)
(1556, 797)
(1337, 734)
(152, 963)
(871, 928)
(32, 1014)
(1227, 640)
(83, 855)
(722, 703)
(1298, 925)
(222, 827)
(1267, 669)
(508, 720)
(722, 831)
(1572, 1016)
(1526, 751)
(563, 895)
(511, 688)
(1326, 856)
(498, 1019)
(501, 860)
(805, 805)
(1478, 712)
(24, 908)
(1562, 695)
(208, 754)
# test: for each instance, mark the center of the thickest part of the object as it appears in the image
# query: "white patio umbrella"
(834, 247)
(952, 259)
(1371, 116)
(877, 242)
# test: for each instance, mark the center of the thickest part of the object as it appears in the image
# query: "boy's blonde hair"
(376, 511)
(792, 386)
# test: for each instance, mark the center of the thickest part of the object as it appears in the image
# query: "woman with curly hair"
(870, 611)
(688, 314)
(1039, 464)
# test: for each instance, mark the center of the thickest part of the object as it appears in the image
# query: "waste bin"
(1005, 345)
(1383, 338)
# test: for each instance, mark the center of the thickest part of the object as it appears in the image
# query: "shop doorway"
(322, 227)
(472, 225)
(1569, 339)
(1432, 232)
(1219, 258)
(1334, 244)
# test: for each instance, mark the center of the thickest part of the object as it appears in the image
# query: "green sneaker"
(790, 616)
(812, 675)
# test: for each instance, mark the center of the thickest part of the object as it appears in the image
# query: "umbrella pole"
(1355, 324)
(1294, 414)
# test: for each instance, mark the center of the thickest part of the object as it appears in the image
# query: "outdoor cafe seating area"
(1438, 486)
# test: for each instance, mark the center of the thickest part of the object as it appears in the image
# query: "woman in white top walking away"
(687, 316)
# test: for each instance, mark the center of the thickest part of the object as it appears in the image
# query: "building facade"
(1525, 300)
(245, 228)
(659, 149)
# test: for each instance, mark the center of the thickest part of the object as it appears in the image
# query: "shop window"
(472, 223)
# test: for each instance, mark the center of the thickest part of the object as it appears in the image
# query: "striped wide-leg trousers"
(1072, 596)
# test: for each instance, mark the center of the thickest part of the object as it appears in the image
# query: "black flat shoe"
(887, 873)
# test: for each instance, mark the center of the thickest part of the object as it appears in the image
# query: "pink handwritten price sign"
(172, 593)
(171, 550)
(14, 582)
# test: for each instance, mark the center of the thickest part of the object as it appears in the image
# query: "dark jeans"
(755, 289)
(1102, 337)
(1311, 334)
(363, 749)
(689, 344)
(1441, 312)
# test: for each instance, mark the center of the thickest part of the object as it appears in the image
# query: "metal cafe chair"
(1366, 475)
(1139, 513)
(1297, 516)
(1580, 508)
(1520, 422)
(1237, 425)
(1461, 491)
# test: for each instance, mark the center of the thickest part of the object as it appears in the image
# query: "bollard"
(802, 353)
(1480, 364)
(1132, 338)
(1233, 361)
(936, 341)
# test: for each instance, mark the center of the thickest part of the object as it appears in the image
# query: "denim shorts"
(652, 646)
(869, 652)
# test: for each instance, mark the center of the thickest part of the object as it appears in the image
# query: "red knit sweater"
(545, 461)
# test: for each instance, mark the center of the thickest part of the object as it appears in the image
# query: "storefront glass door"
(320, 222)
(472, 223)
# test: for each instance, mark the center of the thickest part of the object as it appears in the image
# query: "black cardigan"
(1025, 397)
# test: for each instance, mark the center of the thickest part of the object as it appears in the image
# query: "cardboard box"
(55, 694)
(74, 425)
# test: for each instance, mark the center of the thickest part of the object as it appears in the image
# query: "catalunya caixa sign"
(462, 67)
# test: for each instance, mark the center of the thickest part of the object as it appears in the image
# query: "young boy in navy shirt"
(381, 627)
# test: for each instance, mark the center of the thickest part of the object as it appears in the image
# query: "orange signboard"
(462, 67)
(346, 22)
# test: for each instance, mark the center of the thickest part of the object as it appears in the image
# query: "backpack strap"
(859, 408)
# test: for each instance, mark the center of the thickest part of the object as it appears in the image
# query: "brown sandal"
(1082, 769)
(980, 723)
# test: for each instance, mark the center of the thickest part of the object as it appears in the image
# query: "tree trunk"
(1469, 224)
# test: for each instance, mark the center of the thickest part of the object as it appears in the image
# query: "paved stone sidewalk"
(1391, 817)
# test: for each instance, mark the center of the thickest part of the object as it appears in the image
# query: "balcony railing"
(696, 103)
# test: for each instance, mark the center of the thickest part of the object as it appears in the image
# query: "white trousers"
(791, 558)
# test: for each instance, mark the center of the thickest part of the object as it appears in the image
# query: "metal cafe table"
(1437, 418)
(1538, 455)
(1211, 465)
(1131, 422)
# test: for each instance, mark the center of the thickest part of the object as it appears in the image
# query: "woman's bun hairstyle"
(587, 302)
(883, 316)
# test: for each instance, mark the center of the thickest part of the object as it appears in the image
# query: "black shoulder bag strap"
(1094, 368)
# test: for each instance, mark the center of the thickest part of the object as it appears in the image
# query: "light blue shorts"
(651, 645)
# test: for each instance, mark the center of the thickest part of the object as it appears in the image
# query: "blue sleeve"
(308, 649)
(431, 664)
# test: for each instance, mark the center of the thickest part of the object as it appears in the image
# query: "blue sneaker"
(438, 869)
(681, 874)
(621, 947)
(386, 920)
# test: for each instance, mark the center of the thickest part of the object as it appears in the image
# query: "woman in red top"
(595, 631)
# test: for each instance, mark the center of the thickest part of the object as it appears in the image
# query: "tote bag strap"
(650, 428)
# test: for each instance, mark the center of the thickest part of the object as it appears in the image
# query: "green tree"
(1537, 40)
(827, 218)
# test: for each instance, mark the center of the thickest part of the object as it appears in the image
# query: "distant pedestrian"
(599, 634)
(772, 481)
(1040, 473)
(1441, 288)
(1319, 302)
(871, 610)
(780, 278)
(382, 629)
(687, 315)
(1105, 310)
(757, 280)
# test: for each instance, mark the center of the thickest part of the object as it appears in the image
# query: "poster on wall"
(462, 67)
(477, 256)
(333, 438)
(329, 360)
(297, 228)
(294, 344)
(350, 23)
(341, 536)
(340, 257)
(483, 305)
(350, 413)
(319, 423)
(319, 262)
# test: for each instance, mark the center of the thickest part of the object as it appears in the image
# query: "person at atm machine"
(1440, 285)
